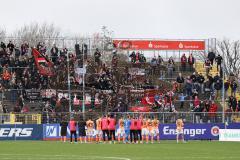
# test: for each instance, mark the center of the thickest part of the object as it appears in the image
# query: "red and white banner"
(44, 65)
(159, 45)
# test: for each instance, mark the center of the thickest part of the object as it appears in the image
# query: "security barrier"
(163, 117)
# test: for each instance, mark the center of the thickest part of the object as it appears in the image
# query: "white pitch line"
(163, 158)
(43, 157)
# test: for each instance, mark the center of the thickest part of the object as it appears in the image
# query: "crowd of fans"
(19, 73)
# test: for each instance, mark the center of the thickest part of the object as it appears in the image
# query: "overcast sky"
(129, 18)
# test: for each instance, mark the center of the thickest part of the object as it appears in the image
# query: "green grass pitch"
(166, 150)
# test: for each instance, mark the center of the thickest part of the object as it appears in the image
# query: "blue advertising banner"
(21, 132)
(167, 131)
(195, 131)
(53, 131)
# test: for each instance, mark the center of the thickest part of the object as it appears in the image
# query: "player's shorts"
(155, 131)
(121, 131)
(178, 132)
(145, 132)
(127, 132)
(89, 132)
(99, 132)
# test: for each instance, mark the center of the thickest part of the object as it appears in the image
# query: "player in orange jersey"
(145, 131)
(155, 130)
(179, 129)
(121, 130)
(99, 130)
(90, 131)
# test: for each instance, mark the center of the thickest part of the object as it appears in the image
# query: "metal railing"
(163, 117)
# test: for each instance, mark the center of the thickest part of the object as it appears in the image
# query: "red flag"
(44, 65)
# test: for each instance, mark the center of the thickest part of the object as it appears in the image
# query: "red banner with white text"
(159, 45)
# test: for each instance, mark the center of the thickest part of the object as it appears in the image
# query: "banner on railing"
(159, 45)
(48, 93)
(21, 132)
(33, 94)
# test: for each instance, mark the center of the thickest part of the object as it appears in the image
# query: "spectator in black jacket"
(180, 81)
(97, 56)
(211, 56)
(194, 78)
(216, 78)
(54, 54)
(191, 61)
(39, 46)
(3, 46)
(207, 106)
(64, 125)
(232, 103)
(200, 80)
(198, 109)
(226, 87)
(218, 87)
(211, 81)
(183, 62)
(10, 46)
(233, 86)
(24, 48)
(218, 60)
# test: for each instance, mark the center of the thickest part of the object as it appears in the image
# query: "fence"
(163, 117)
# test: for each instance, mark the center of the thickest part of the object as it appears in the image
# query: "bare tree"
(230, 51)
(2, 34)
(35, 32)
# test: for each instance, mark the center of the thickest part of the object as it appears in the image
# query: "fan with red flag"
(44, 65)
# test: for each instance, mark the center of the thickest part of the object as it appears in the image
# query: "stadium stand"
(37, 82)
